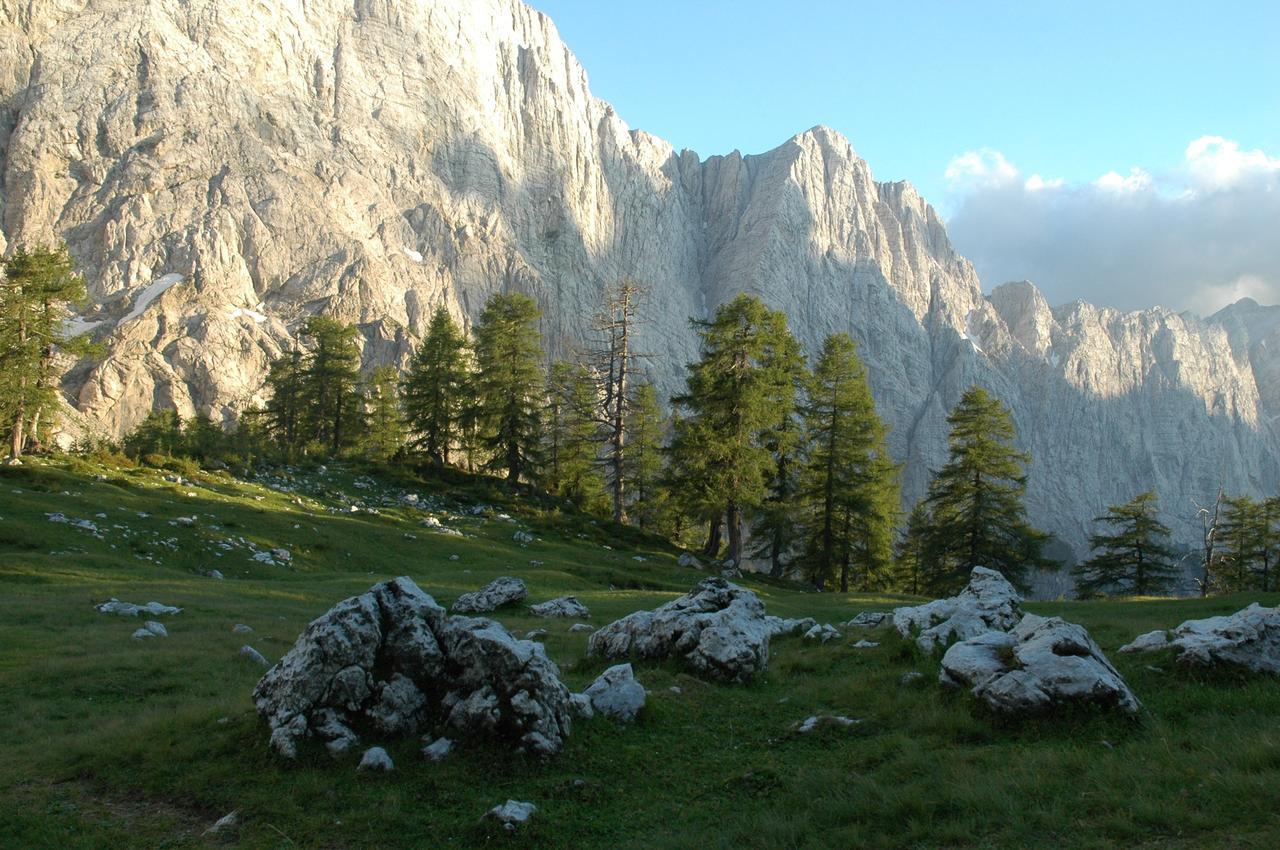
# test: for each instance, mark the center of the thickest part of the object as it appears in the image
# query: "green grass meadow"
(106, 741)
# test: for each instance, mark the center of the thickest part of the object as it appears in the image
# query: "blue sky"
(1072, 90)
(1123, 152)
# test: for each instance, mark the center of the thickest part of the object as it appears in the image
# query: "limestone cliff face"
(222, 170)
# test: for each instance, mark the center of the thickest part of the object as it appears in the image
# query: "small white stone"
(376, 759)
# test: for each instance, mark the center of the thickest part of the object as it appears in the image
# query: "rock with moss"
(1249, 638)
(988, 603)
(496, 594)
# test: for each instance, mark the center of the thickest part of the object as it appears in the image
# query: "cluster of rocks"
(1016, 664)
(129, 609)
(394, 661)
(1249, 638)
(494, 595)
(718, 628)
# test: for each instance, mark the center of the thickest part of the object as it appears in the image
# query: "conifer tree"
(159, 434)
(434, 391)
(331, 383)
(849, 490)
(572, 430)
(614, 358)
(508, 384)
(1249, 542)
(1134, 558)
(36, 291)
(975, 500)
(729, 398)
(644, 463)
(203, 439)
(689, 479)
(908, 555)
(384, 426)
(775, 528)
(285, 412)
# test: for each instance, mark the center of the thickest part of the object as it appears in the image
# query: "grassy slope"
(105, 741)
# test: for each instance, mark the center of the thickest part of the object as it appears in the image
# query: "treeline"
(760, 457)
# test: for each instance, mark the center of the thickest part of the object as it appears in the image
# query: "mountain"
(222, 170)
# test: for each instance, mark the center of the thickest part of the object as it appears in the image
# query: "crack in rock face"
(1042, 664)
(988, 603)
(1249, 638)
(720, 629)
(391, 662)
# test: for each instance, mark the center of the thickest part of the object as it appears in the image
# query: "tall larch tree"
(910, 566)
(572, 432)
(331, 383)
(975, 500)
(644, 463)
(849, 489)
(1133, 556)
(434, 391)
(730, 405)
(509, 384)
(36, 293)
(384, 432)
(285, 413)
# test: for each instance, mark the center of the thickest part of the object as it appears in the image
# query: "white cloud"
(1197, 237)
(1218, 163)
(980, 168)
(1036, 183)
(1136, 181)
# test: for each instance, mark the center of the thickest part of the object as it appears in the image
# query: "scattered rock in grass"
(224, 824)
(1043, 663)
(778, 627)
(718, 628)
(866, 644)
(241, 629)
(561, 606)
(687, 559)
(676, 689)
(57, 516)
(867, 620)
(215, 574)
(522, 537)
(512, 815)
(155, 628)
(536, 634)
(911, 677)
(282, 555)
(253, 655)
(987, 604)
(581, 627)
(819, 721)
(375, 759)
(616, 693)
(1249, 638)
(186, 520)
(453, 557)
(823, 633)
(394, 659)
(497, 593)
(129, 609)
(438, 750)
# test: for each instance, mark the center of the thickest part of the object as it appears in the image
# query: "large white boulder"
(1043, 663)
(718, 628)
(616, 693)
(561, 606)
(393, 660)
(988, 603)
(494, 595)
(1249, 638)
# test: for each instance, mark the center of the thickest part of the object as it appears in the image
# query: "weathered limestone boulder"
(867, 620)
(616, 693)
(129, 609)
(512, 814)
(778, 627)
(718, 628)
(376, 760)
(1249, 638)
(494, 595)
(561, 606)
(150, 629)
(392, 660)
(688, 559)
(987, 604)
(438, 750)
(821, 721)
(1042, 664)
(824, 633)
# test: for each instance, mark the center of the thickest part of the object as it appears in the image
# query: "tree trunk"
(17, 438)
(733, 519)
(712, 547)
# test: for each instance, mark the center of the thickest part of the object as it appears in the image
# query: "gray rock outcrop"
(129, 609)
(615, 693)
(561, 606)
(494, 595)
(1042, 664)
(718, 628)
(512, 815)
(1249, 638)
(393, 660)
(987, 603)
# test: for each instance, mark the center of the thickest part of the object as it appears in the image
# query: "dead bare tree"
(614, 359)
(1209, 522)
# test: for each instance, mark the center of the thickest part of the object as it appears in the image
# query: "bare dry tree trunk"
(1209, 538)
